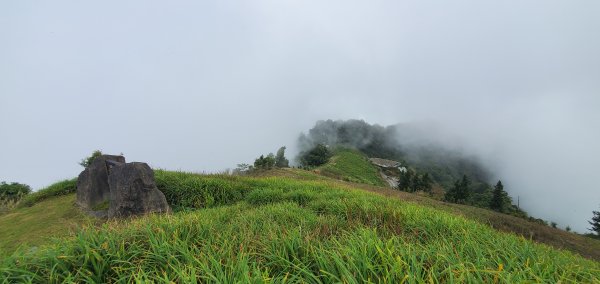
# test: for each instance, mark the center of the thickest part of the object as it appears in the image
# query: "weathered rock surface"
(133, 191)
(92, 185)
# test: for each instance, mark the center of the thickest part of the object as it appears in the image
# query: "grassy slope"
(57, 189)
(273, 229)
(353, 166)
(36, 224)
(557, 238)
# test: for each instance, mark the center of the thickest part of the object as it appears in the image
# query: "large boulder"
(92, 185)
(133, 191)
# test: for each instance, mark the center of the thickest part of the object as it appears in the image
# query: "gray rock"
(92, 184)
(133, 191)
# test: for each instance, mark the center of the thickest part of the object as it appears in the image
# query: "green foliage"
(242, 169)
(396, 143)
(101, 206)
(460, 192)
(444, 166)
(87, 161)
(60, 188)
(13, 191)
(267, 163)
(264, 163)
(410, 181)
(11, 194)
(500, 200)
(595, 222)
(351, 165)
(280, 160)
(186, 190)
(315, 157)
(286, 230)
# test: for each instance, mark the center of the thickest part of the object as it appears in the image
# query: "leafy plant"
(280, 160)
(87, 161)
(264, 163)
(315, 157)
(13, 191)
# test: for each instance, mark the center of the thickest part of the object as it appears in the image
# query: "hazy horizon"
(202, 86)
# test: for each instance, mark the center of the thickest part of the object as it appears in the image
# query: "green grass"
(57, 189)
(184, 190)
(101, 206)
(35, 225)
(353, 166)
(278, 229)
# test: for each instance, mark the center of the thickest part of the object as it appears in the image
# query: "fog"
(204, 85)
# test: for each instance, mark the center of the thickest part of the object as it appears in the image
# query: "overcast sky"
(204, 85)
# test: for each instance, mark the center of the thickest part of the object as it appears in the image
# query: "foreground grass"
(353, 166)
(35, 225)
(286, 230)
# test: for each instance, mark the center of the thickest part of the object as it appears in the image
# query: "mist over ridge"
(433, 147)
(202, 86)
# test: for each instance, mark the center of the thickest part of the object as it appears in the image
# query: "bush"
(315, 157)
(13, 191)
(264, 163)
(280, 160)
(86, 162)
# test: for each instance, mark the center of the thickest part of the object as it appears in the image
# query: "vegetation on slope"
(57, 189)
(419, 149)
(529, 229)
(11, 193)
(353, 166)
(35, 225)
(184, 190)
(412, 144)
(284, 229)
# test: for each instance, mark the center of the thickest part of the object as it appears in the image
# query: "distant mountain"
(412, 144)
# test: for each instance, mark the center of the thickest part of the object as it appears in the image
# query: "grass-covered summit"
(293, 227)
(351, 165)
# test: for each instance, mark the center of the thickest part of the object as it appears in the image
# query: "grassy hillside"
(284, 229)
(57, 189)
(35, 225)
(353, 166)
(557, 238)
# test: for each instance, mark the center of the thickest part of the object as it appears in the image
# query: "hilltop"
(334, 223)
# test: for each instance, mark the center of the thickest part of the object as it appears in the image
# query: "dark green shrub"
(315, 157)
(13, 191)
